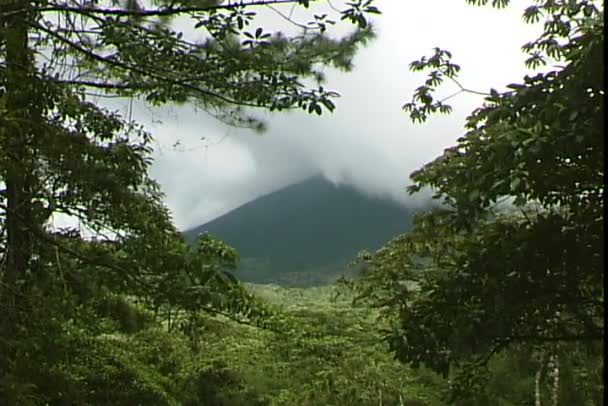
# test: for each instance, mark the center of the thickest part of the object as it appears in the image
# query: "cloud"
(207, 169)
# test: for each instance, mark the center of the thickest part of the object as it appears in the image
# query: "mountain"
(306, 233)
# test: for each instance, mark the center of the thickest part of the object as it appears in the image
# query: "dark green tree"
(513, 254)
(63, 155)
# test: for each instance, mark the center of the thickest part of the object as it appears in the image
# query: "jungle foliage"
(514, 256)
(323, 354)
(64, 156)
(499, 289)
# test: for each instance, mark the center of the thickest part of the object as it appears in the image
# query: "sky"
(207, 169)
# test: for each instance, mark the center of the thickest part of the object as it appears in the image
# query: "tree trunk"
(537, 378)
(16, 134)
(554, 365)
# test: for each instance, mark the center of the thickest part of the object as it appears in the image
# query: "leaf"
(329, 105)
(372, 10)
(514, 185)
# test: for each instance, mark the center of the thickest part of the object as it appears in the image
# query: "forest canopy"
(507, 266)
(513, 255)
(63, 154)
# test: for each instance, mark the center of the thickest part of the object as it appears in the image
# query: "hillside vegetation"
(306, 234)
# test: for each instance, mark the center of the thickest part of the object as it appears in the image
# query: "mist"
(206, 168)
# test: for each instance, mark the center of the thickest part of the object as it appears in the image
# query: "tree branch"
(168, 11)
(131, 68)
(461, 87)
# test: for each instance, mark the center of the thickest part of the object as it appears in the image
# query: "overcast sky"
(368, 142)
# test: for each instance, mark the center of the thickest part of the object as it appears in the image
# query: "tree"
(62, 154)
(514, 253)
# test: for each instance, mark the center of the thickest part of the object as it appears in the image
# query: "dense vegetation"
(494, 298)
(319, 352)
(513, 260)
(64, 157)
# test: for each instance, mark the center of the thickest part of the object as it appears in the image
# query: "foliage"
(326, 353)
(330, 355)
(514, 255)
(260, 271)
(65, 157)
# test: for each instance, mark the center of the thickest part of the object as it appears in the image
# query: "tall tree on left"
(62, 154)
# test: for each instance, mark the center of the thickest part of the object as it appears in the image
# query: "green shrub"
(128, 316)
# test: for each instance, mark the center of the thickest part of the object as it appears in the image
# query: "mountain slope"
(313, 226)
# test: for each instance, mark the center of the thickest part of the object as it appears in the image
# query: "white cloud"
(369, 141)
